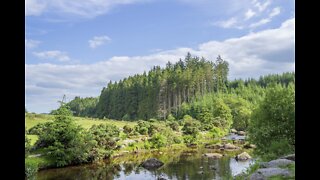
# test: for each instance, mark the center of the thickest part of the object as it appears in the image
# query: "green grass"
(42, 161)
(33, 139)
(34, 119)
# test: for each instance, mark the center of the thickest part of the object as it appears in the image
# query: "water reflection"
(178, 166)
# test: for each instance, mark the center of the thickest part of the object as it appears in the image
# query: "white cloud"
(252, 55)
(34, 7)
(98, 41)
(261, 6)
(30, 44)
(275, 11)
(80, 8)
(230, 23)
(249, 14)
(261, 22)
(58, 55)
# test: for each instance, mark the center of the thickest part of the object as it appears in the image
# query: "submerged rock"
(277, 163)
(243, 156)
(263, 174)
(152, 163)
(230, 146)
(213, 155)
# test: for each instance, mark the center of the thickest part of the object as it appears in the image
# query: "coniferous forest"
(176, 90)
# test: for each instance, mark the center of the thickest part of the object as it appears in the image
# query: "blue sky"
(76, 47)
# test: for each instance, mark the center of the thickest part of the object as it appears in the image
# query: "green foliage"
(174, 125)
(222, 114)
(142, 127)
(273, 122)
(83, 106)
(126, 117)
(158, 140)
(65, 141)
(217, 132)
(127, 129)
(38, 129)
(189, 139)
(171, 117)
(241, 110)
(31, 169)
(191, 127)
(27, 146)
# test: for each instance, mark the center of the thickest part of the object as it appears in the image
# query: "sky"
(76, 47)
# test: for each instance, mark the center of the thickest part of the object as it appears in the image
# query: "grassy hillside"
(34, 119)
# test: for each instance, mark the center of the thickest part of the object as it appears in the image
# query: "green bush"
(191, 127)
(142, 127)
(39, 128)
(189, 139)
(158, 140)
(66, 142)
(127, 129)
(217, 132)
(27, 146)
(272, 127)
(174, 125)
(31, 169)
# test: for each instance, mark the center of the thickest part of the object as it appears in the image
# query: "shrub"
(217, 132)
(189, 139)
(27, 146)
(39, 128)
(272, 127)
(31, 169)
(142, 127)
(191, 127)
(158, 140)
(66, 141)
(174, 125)
(171, 117)
(127, 129)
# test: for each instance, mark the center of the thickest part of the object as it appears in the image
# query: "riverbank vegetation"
(189, 103)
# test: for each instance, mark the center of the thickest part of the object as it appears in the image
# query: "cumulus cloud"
(80, 8)
(57, 55)
(98, 41)
(30, 44)
(252, 55)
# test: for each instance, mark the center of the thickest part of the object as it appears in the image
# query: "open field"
(34, 119)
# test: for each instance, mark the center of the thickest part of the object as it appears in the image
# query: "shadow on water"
(178, 165)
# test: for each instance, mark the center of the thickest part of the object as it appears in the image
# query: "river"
(183, 164)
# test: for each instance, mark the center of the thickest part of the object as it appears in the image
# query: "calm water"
(178, 165)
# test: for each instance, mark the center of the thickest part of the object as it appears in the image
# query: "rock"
(161, 178)
(152, 163)
(230, 146)
(241, 133)
(192, 145)
(277, 163)
(248, 146)
(263, 174)
(243, 156)
(128, 141)
(291, 157)
(233, 130)
(213, 146)
(213, 155)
